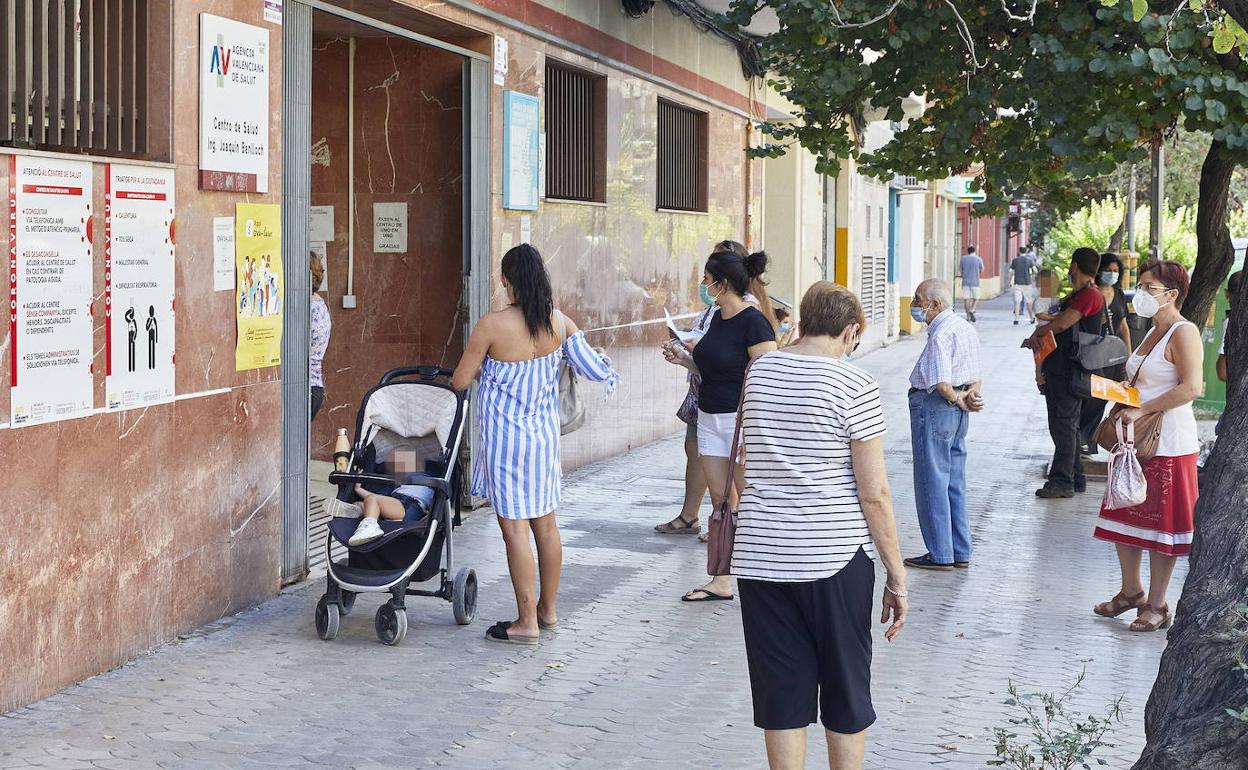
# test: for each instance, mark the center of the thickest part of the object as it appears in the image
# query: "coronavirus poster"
(260, 287)
(49, 289)
(138, 286)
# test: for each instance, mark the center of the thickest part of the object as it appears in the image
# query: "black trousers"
(1065, 411)
(318, 398)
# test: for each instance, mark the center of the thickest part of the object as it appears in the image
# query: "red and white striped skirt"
(1164, 521)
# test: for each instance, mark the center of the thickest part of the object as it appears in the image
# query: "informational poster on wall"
(261, 286)
(521, 150)
(233, 105)
(138, 286)
(222, 253)
(50, 272)
(390, 228)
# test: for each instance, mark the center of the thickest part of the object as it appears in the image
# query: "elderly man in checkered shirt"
(944, 390)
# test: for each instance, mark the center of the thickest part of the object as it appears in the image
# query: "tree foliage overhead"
(1067, 95)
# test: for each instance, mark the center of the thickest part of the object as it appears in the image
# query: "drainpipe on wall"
(749, 187)
(348, 299)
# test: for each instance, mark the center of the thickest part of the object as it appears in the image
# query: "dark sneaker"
(1081, 486)
(1016, 322)
(1050, 492)
(962, 565)
(925, 562)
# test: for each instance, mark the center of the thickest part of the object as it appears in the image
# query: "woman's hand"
(675, 352)
(895, 608)
(1130, 415)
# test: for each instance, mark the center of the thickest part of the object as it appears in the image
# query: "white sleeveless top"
(1179, 435)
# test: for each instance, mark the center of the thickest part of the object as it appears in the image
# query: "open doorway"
(388, 202)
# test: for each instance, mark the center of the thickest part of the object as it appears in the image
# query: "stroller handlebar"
(425, 373)
(340, 478)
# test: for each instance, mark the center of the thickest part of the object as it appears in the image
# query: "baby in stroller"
(407, 502)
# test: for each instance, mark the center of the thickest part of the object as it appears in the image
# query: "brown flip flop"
(688, 528)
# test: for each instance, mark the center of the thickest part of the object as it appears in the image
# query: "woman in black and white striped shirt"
(815, 512)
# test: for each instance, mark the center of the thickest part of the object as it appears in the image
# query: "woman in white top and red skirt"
(1167, 367)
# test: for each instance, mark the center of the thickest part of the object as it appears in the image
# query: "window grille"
(682, 155)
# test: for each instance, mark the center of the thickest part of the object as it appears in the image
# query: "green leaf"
(1138, 9)
(1223, 40)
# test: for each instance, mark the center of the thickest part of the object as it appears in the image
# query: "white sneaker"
(368, 531)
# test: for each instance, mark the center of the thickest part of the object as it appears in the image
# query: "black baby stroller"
(412, 419)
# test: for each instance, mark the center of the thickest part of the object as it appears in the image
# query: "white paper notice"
(500, 60)
(273, 11)
(222, 253)
(321, 223)
(390, 228)
(526, 228)
(233, 105)
(320, 250)
(50, 289)
(138, 286)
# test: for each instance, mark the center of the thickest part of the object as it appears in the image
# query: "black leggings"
(318, 398)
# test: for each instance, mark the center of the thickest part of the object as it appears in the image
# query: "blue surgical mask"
(1109, 278)
(705, 292)
(918, 314)
(786, 327)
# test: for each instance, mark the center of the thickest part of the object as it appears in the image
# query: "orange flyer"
(1048, 343)
(1109, 390)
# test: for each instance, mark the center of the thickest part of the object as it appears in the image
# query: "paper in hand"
(677, 334)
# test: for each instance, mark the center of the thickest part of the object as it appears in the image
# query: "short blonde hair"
(828, 309)
(318, 270)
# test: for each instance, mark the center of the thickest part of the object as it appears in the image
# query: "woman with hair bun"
(517, 352)
(738, 334)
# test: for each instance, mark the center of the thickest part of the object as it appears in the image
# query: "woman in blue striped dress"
(517, 352)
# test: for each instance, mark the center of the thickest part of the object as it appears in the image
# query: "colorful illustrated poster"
(138, 286)
(50, 272)
(260, 287)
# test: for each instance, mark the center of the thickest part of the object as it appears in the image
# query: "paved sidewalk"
(635, 678)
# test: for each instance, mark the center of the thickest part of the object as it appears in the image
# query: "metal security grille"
(682, 158)
(74, 74)
(873, 290)
(573, 142)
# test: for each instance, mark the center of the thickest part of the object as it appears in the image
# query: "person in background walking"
(517, 352)
(970, 267)
(318, 335)
(1081, 310)
(1023, 271)
(815, 511)
(944, 388)
(738, 334)
(1168, 368)
(1093, 409)
(1232, 291)
(687, 522)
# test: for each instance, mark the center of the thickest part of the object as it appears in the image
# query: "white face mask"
(1145, 304)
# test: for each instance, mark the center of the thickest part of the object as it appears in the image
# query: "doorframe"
(296, 207)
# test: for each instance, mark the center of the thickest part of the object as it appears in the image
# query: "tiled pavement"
(635, 678)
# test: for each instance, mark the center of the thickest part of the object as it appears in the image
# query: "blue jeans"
(938, 440)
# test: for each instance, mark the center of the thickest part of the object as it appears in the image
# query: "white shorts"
(970, 292)
(1028, 293)
(715, 433)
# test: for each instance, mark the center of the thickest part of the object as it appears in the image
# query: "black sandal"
(707, 596)
(499, 633)
(670, 528)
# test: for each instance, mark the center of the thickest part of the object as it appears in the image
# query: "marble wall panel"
(408, 149)
(125, 528)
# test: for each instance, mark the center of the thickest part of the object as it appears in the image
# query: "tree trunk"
(1214, 253)
(1115, 240)
(1186, 721)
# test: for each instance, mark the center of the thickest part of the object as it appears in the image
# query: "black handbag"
(1097, 352)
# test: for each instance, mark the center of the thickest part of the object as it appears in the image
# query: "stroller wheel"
(326, 618)
(390, 623)
(346, 602)
(464, 596)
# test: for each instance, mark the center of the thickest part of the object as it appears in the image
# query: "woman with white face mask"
(1108, 280)
(1167, 369)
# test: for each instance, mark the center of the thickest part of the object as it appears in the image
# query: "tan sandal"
(1143, 626)
(686, 527)
(1120, 604)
